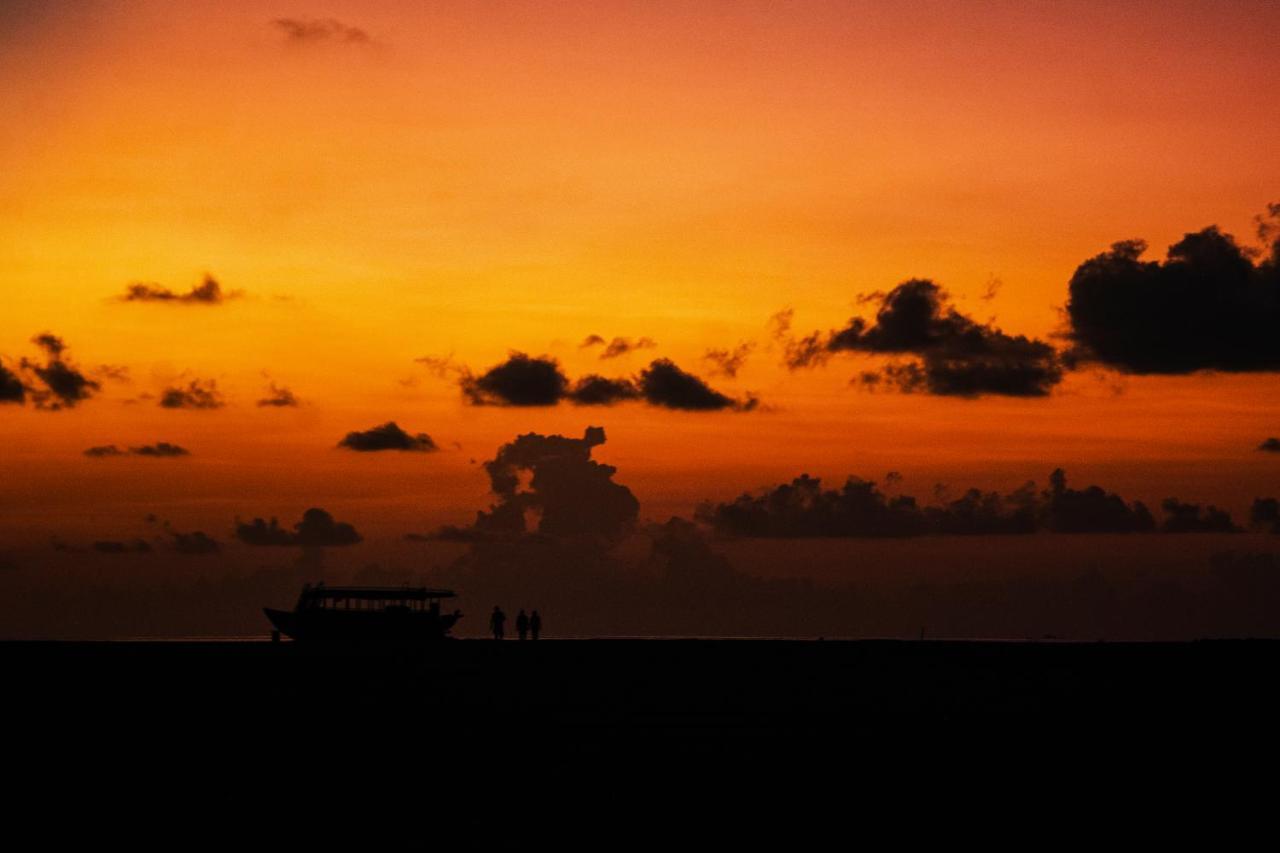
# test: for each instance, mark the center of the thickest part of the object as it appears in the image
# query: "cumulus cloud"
(1192, 518)
(198, 394)
(278, 397)
(1092, 510)
(952, 354)
(317, 30)
(596, 390)
(727, 362)
(565, 494)
(388, 436)
(161, 449)
(1265, 514)
(664, 384)
(208, 292)
(523, 380)
(1208, 306)
(195, 543)
(316, 529)
(802, 508)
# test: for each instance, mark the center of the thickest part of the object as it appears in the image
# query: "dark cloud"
(595, 390)
(136, 546)
(1192, 518)
(618, 346)
(198, 394)
(1265, 514)
(664, 384)
(104, 450)
(1092, 510)
(160, 449)
(521, 380)
(11, 388)
(314, 30)
(316, 529)
(568, 494)
(196, 543)
(208, 292)
(389, 436)
(1271, 445)
(728, 362)
(56, 384)
(802, 508)
(279, 397)
(1208, 306)
(953, 355)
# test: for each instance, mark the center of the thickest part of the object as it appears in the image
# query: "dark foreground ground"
(580, 691)
(610, 736)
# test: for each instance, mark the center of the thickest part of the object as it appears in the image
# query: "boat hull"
(355, 627)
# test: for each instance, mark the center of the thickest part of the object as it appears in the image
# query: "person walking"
(522, 624)
(535, 625)
(497, 620)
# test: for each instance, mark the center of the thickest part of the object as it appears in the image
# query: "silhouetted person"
(535, 625)
(522, 624)
(497, 620)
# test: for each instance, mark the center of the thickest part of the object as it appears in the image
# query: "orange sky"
(478, 178)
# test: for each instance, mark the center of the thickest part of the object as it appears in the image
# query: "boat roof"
(380, 593)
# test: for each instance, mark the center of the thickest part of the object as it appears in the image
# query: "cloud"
(196, 543)
(664, 384)
(198, 394)
(208, 292)
(389, 436)
(137, 546)
(1192, 518)
(1091, 510)
(279, 397)
(521, 380)
(316, 529)
(953, 355)
(859, 509)
(54, 385)
(568, 494)
(441, 366)
(11, 388)
(1207, 306)
(618, 346)
(1271, 445)
(104, 450)
(315, 30)
(1265, 514)
(161, 449)
(596, 390)
(728, 362)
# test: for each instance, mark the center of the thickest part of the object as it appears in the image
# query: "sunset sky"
(375, 183)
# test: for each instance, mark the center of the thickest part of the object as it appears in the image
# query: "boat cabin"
(372, 598)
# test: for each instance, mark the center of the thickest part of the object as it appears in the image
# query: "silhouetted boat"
(366, 615)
